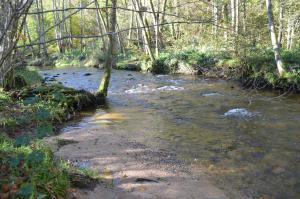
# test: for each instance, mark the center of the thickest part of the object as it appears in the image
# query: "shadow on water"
(249, 141)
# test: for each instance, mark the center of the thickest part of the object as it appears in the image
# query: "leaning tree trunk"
(11, 24)
(110, 57)
(274, 40)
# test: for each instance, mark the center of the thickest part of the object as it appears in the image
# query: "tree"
(274, 40)
(111, 52)
(11, 25)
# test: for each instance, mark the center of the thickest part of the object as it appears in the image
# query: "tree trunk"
(226, 21)
(100, 25)
(146, 38)
(215, 18)
(11, 26)
(237, 17)
(130, 29)
(81, 24)
(70, 25)
(274, 41)
(155, 16)
(27, 35)
(281, 21)
(233, 17)
(58, 31)
(110, 58)
(42, 29)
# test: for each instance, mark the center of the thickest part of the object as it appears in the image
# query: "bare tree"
(11, 25)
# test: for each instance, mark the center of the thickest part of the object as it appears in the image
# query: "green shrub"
(260, 60)
(229, 63)
(159, 66)
(291, 57)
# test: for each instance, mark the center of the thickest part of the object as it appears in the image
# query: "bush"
(168, 62)
(159, 66)
(260, 60)
(291, 57)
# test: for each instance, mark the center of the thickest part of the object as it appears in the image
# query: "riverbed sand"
(131, 170)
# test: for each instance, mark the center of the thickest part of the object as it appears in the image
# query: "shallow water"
(249, 141)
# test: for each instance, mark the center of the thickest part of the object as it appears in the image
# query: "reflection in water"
(259, 155)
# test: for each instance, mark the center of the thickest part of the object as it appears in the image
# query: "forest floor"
(131, 170)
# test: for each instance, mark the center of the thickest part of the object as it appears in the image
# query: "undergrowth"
(27, 166)
(28, 170)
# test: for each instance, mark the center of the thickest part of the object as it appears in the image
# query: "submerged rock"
(87, 74)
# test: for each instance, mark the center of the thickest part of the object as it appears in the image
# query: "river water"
(247, 141)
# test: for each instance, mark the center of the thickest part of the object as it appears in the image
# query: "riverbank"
(28, 114)
(253, 68)
(232, 148)
(129, 169)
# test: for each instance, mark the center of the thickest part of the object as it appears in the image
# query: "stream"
(248, 141)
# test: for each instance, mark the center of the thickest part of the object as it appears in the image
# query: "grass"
(28, 168)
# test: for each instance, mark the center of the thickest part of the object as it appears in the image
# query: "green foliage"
(260, 59)
(77, 58)
(22, 140)
(27, 166)
(260, 64)
(30, 170)
(38, 108)
(159, 66)
(128, 61)
(169, 61)
(30, 75)
(229, 63)
(292, 59)
(8, 122)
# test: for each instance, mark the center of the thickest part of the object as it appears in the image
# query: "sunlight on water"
(240, 112)
(249, 141)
